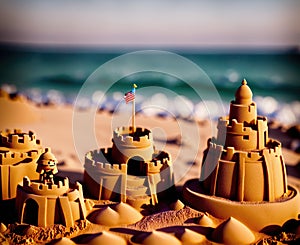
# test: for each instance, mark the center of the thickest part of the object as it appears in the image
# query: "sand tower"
(18, 154)
(246, 171)
(131, 171)
(49, 200)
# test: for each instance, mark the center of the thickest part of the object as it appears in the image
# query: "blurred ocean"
(57, 75)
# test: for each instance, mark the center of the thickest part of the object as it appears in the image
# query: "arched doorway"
(136, 166)
(31, 211)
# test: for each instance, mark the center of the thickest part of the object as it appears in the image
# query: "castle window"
(245, 137)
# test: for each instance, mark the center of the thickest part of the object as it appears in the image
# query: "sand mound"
(118, 214)
(63, 241)
(206, 221)
(190, 237)
(107, 238)
(232, 231)
(154, 238)
(128, 214)
(177, 205)
(106, 216)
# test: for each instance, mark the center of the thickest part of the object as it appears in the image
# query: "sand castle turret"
(50, 199)
(19, 152)
(246, 171)
(250, 163)
(131, 170)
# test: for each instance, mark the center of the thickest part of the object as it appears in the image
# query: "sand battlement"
(230, 151)
(16, 139)
(223, 122)
(42, 189)
(274, 147)
(215, 146)
(98, 161)
(9, 157)
(108, 166)
(156, 165)
(142, 137)
(262, 118)
(252, 155)
(238, 127)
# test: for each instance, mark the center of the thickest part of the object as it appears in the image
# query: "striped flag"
(129, 96)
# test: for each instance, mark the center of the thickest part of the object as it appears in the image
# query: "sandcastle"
(18, 154)
(49, 200)
(246, 171)
(131, 170)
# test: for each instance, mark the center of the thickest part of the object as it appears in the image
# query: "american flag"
(129, 96)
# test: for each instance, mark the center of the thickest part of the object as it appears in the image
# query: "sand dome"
(107, 237)
(243, 94)
(190, 237)
(119, 214)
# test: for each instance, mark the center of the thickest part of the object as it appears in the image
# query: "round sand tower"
(19, 152)
(131, 171)
(244, 171)
(49, 200)
(44, 205)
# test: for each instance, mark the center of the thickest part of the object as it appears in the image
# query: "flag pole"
(133, 116)
(133, 109)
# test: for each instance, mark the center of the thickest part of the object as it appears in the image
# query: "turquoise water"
(272, 74)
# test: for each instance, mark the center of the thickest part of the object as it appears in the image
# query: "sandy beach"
(53, 125)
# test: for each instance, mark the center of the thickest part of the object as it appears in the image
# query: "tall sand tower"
(243, 170)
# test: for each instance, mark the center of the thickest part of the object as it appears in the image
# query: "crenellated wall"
(105, 180)
(45, 208)
(16, 157)
(245, 177)
(157, 165)
(98, 160)
(106, 170)
(36, 187)
(19, 152)
(16, 139)
(249, 176)
(126, 145)
(241, 137)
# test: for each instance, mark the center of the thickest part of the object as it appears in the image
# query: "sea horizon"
(272, 73)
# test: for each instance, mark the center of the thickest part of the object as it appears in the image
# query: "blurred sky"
(227, 23)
